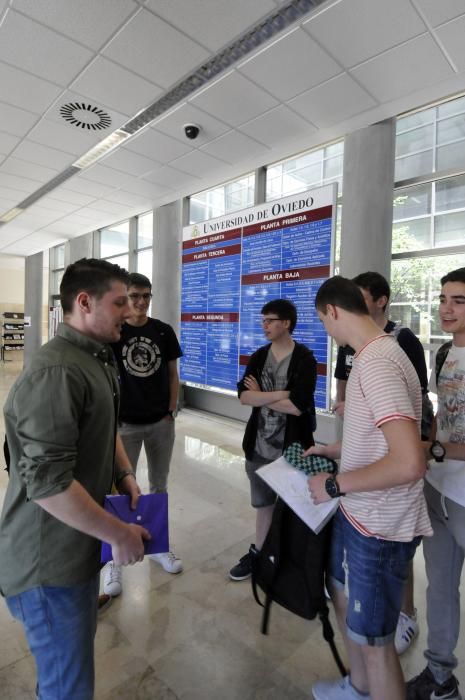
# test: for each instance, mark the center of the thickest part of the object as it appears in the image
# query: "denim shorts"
(372, 572)
(261, 495)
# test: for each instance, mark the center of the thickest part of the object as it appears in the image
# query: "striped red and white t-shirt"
(383, 386)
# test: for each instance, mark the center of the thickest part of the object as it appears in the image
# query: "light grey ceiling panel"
(452, 36)
(440, 11)
(270, 127)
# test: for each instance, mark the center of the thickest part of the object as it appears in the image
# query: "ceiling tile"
(197, 163)
(15, 166)
(452, 36)
(234, 99)
(106, 176)
(89, 22)
(6, 204)
(129, 162)
(130, 199)
(43, 155)
(49, 204)
(64, 137)
(62, 195)
(7, 142)
(94, 189)
(144, 45)
(160, 147)
(16, 121)
(149, 189)
(11, 193)
(225, 19)
(336, 100)
(291, 65)
(439, 12)
(119, 211)
(173, 123)
(48, 54)
(270, 127)
(355, 30)
(23, 184)
(68, 228)
(167, 176)
(233, 147)
(405, 69)
(103, 82)
(25, 90)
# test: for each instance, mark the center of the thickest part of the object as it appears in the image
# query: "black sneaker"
(243, 568)
(424, 687)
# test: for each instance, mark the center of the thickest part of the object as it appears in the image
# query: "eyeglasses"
(267, 321)
(134, 296)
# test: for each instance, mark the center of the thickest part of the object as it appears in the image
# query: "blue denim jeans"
(60, 624)
(373, 573)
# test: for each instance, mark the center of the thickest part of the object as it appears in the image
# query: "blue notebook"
(151, 513)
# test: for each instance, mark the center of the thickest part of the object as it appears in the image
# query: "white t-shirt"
(382, 386)
(448, 477)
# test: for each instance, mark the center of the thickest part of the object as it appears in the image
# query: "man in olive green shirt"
(60, 422)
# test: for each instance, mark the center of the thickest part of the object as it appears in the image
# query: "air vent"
(85, 116)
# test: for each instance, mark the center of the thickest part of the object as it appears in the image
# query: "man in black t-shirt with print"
(147, 355)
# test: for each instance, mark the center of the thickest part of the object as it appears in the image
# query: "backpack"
(290, 570)
(441, 358)
(427, 409)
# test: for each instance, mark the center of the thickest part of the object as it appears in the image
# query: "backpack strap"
(328, 634)
(441, 358)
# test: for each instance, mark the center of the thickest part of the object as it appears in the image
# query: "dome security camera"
(191, 130)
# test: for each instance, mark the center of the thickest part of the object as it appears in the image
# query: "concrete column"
(166, 276)
(80, 247)
(33, 304)
(366, 235)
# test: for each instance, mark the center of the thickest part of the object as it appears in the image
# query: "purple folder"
(151, 513)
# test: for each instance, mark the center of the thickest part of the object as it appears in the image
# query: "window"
(305, 171)
(221, 200)
(57, 268)
(114, 240)
(428, 216)
(144, 251)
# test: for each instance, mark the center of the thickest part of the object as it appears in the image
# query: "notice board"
(233, 265)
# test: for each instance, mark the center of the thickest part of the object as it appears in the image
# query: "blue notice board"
(234, 265)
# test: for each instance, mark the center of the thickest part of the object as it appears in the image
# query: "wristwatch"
(332, 487)
(173, 414)
(437, 451)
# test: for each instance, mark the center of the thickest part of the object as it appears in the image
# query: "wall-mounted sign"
(233, 265)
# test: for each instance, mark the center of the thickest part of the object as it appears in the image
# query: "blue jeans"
(373, 573)
(60, 624)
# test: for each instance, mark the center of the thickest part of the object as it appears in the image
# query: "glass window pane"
(412, 166)
(412, 201)
(56, 281)
(209, 204)
(145, 230)
(416, 140)
(335, 149)
(121, 260)
(450, 194)
(452, 156)
(144, 263)
(449, 229)
(451, 107)
(425, 116)
(411, 235)
(333, 167)
(114, 240)
(451, 129)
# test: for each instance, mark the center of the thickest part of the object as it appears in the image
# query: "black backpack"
(290, 569)
(441, 358)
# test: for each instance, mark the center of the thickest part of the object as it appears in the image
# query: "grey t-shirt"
(271, 424)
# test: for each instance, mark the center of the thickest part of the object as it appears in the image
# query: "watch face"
(331, 487)
(437, 450)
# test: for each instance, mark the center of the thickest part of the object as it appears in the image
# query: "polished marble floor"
(196, 636)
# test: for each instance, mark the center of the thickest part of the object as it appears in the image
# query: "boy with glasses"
(278, 384)
(147, 355)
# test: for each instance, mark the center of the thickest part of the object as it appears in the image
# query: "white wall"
(11, 280)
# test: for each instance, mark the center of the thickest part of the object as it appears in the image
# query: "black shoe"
(424, 687)
(243, 568)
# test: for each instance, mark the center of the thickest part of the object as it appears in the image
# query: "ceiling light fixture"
(11, 214)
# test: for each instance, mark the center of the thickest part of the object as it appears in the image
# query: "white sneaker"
(341, 689)
(169, 562)
(113, 583)
(406, 631)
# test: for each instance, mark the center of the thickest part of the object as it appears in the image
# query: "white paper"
(291, 485)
